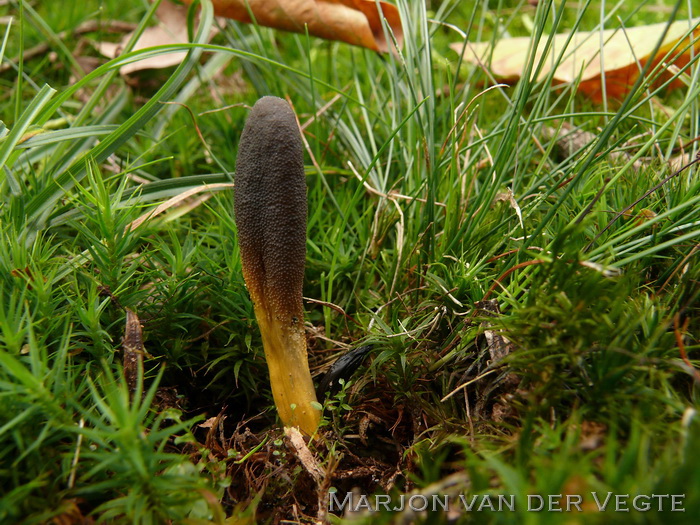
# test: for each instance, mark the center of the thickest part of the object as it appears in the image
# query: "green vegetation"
(415, 245)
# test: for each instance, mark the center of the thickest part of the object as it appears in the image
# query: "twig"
(133, 349)
(469, 416)
(678, 332)
(333, 307)
(507, 273)
(391, 194)
(114, 26)
(465, 385)
(76, 456)
(174, 201)
(592, 203)
(652, 190)
(680, 266)
(303, 454)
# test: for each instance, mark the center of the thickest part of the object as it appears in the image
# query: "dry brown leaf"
(625, 51)
(356, 22)
(209, 423)
(592, 435)
(498, 345)
(571, 140)
(67, 512)
(133, 349)
(171, 29)
(508, 197)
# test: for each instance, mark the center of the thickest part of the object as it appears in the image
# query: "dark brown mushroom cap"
(270, 208)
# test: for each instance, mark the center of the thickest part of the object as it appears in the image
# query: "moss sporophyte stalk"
(270, 209)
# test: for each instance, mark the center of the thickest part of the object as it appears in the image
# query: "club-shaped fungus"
(270, 208)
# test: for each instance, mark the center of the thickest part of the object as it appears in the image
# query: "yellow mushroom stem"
(287, 362)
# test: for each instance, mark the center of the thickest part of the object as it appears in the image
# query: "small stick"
(114, 26)
(628, 208)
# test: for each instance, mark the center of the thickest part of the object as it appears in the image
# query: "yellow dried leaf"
(624, 52)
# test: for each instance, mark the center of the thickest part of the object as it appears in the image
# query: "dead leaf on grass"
(498, 345)
(209, 423)
(592, 435)
(356, 22)
(508, 197)
(625, 51)
(133, 349)
(68, 512)
(171, 29)
(571, 141)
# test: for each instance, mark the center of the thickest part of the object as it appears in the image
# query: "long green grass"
(444, 213)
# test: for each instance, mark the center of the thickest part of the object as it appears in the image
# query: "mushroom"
(270, 209)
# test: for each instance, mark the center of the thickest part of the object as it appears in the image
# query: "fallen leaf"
(498, 345)
(356, 22)
(209, 423)
(508, 197)
(133, 349)
(571, 141)
(171, 29)
(592, 435)
(625, 51)
(67, 512)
